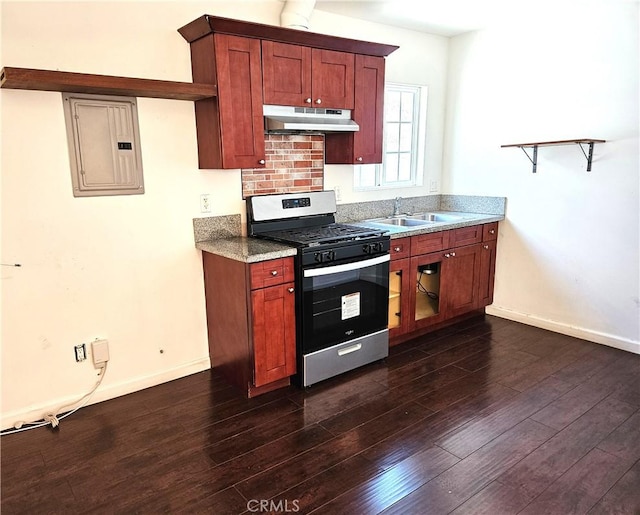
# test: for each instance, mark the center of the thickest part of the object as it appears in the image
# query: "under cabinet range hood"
(317, 119)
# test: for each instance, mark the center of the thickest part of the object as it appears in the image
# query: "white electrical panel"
(104, 145)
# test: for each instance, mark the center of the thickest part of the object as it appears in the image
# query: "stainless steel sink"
(437, 217)
(401, 221)
(419, 219)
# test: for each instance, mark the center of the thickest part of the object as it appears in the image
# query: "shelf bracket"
(533, 160)
(589, 157)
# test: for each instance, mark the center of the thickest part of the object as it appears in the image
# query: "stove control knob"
(370, 248)
(317, 257)
(328, 255)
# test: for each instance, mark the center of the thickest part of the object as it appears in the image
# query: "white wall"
(125, 268)
(568, 252)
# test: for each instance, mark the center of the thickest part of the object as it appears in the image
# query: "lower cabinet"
(251, 321)
(446, 284)
(444, 275)
(399, 302)
(487, 265)
(274, 333)
(399, 284)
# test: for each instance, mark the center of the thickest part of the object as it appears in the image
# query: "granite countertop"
(466, 220)
(248, 250)
(253, 250)
(221, 235)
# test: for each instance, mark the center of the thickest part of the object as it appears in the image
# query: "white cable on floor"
(52, 418)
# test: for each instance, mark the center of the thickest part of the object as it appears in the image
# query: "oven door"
(341, 302)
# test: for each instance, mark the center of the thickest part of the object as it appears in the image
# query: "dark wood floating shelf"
(534, 146)
(48, 80)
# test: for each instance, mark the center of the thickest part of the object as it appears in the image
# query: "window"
(403, 145)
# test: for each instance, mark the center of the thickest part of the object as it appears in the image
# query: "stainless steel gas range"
(342, 281)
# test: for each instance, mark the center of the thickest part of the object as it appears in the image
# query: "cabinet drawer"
(270, 273)
(400, 248)
(465, 236)
(432, 242)
(490, 231)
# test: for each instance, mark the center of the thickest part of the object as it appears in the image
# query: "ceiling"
(450, 17)
(442, 17)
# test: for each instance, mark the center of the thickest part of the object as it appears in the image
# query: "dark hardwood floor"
(490, 416)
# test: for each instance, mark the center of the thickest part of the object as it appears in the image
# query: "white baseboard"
(569, 330)
(108, 392)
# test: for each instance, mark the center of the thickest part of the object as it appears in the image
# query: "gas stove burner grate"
(331, 233)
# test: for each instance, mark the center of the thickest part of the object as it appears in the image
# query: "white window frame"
(418, 147)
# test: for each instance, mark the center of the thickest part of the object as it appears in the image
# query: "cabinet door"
(332, 79)
(399, 297)
(427, 290)
(239, 100)
(365, 145)
(274, 334)
(461, 272)
(286, 74)
(487, 273)
(369, 109)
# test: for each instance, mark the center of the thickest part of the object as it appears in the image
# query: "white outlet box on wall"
(205, 203)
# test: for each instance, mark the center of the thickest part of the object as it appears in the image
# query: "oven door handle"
(356, 265)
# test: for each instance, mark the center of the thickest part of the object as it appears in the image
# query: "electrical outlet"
(338, 194)
(205, 203)
(100, 352)
(433, 186)
(80, 352)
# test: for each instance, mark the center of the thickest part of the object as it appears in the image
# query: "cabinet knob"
(359, 159)
(307, 100)
(453, 254)
(318, 101)
(274, 272)
(447, 255)
(486, 247)
(261, 161)
(397, 249)
(290, 290)
(492, 231)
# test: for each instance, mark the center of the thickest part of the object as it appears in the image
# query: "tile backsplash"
(294, 162)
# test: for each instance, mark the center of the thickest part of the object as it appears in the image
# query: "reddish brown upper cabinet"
(286, 74)
(296, 68)
(296, 75)
(332, 79)
(230, 127)
(365, 145)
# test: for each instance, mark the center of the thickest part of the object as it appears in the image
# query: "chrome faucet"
(396, 206)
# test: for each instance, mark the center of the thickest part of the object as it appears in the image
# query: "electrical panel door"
(104, 145)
